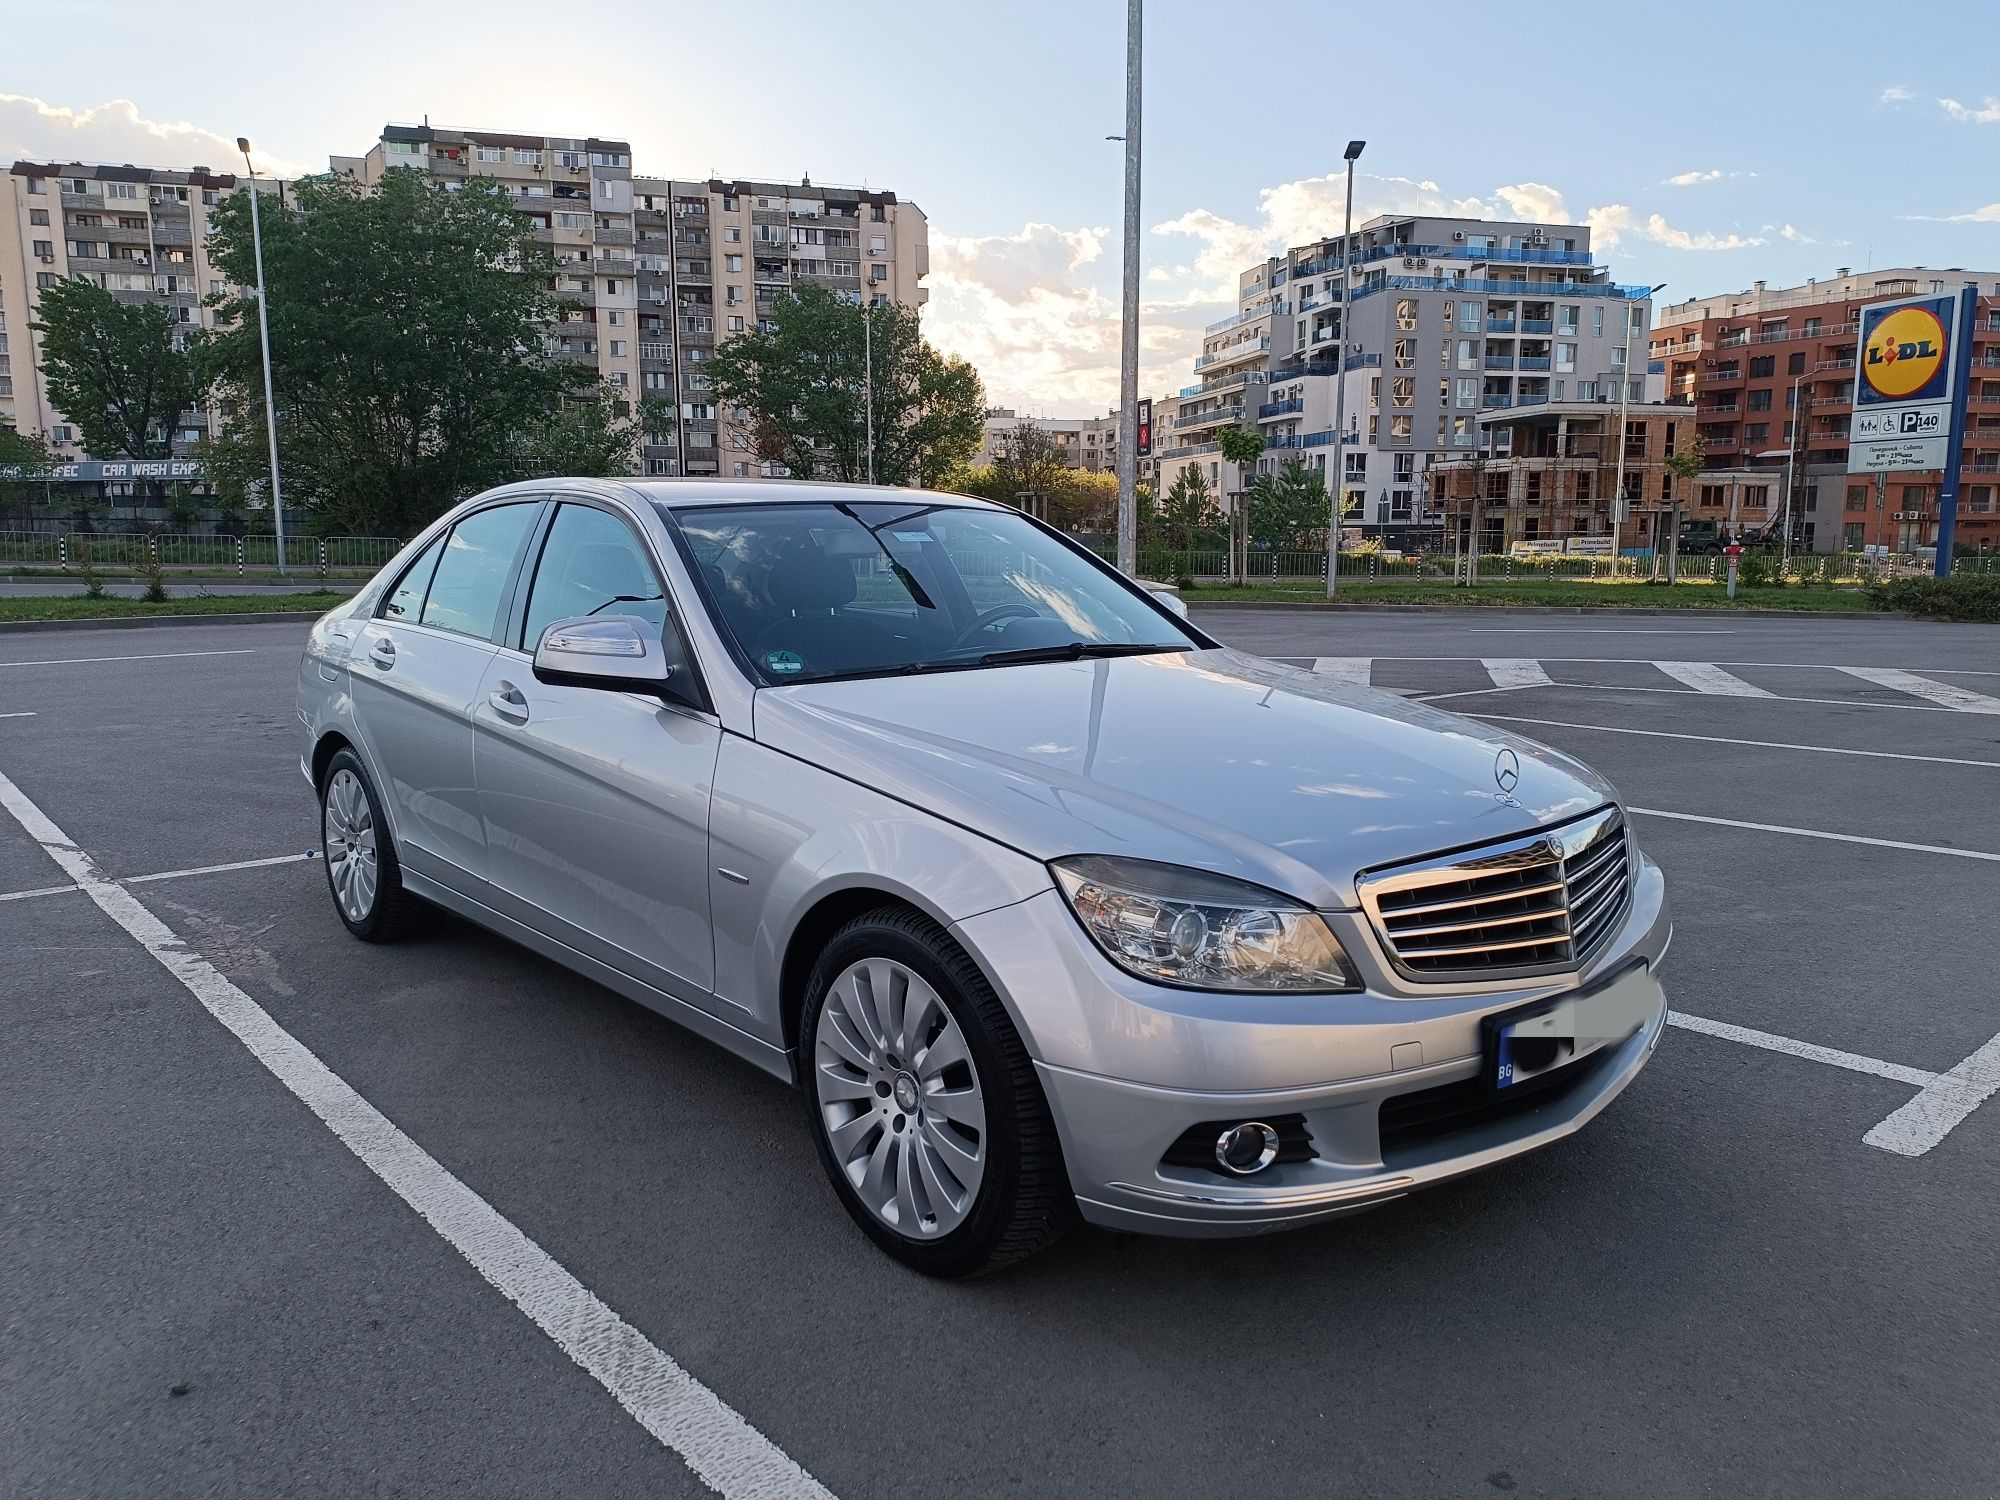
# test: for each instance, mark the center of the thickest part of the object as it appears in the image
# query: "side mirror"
(1174, 604)
(618, 652)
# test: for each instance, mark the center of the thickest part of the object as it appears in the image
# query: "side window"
(406, 599)
(591, 564)
(472, 574)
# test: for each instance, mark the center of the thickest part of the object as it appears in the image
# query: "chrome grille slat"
(1537, 904)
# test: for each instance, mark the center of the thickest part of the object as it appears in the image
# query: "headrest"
(807, 578)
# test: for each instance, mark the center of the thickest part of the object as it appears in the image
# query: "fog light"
(1245, 1149)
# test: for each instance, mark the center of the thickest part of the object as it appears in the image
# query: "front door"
(415, 669)
(595, 802)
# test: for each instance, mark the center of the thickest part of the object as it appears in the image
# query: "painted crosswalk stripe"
(1351, 669)
(1508, 671)
(1707, 677)
(1963, 699)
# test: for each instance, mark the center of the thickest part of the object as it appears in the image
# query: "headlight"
(1201, 931)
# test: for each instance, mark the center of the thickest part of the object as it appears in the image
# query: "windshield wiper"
(903, 575)
(1078, 651)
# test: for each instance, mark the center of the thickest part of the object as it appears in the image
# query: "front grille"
(1533, 905)
(1410, 1122)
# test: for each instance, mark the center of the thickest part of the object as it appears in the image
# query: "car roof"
(678, 494)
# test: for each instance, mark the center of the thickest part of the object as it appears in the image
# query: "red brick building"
(1741, 361)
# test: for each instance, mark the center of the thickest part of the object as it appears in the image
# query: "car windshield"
(821, 589)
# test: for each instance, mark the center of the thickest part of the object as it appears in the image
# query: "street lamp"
(1350, 155)
(1621, 509)
(264, 338)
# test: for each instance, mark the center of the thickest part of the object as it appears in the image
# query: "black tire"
(394, 913)
(1024, 1200)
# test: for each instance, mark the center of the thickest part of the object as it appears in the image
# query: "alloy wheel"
(351, 857)
(899, 1098)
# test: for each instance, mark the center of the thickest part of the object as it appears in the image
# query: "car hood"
(1212, 759)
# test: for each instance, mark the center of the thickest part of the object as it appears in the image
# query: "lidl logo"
(1904, 353)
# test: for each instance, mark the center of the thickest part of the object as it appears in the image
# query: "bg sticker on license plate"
(1567, 1028)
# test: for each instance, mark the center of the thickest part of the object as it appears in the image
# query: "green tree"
(1029, 466)
(119, 371)
(803, 383)
(1187, 509)
(21, 495)
(1085, 500)
(1289, 510)
(407, 350)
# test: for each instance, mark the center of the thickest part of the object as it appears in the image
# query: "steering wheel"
(993, 616)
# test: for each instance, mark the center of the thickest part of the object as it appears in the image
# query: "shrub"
(1960, 597)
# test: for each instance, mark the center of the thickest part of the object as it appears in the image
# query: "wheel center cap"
(906, 1093)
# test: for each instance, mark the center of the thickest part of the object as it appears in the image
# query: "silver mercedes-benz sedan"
(1051, 905)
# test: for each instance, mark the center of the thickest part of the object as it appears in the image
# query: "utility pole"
(1791, 466)
(868, 384)
(1128, 344)
(1350, 155)
(264, 338)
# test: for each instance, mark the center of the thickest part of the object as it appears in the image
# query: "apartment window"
(732, 296)
(1374, 390)
(1444, 390)
(1763, 366)
(732, 235)
(1759, 400)
(1468, 391)
(611, 287)
(1374, 431)
(877, 275)
(1566, 357)
(654, 380)
(878, 244)
(492, 153)
(1462, 434)
(38, 216)
(45, 279)
(1586, 390)
(618, 378)
(1406, 354)
(618, 348)
(131, 190)
(1597, 322)
(1468, 354)
(1468, 317)
(570, 221)
(729, 204)
(1403, 391)
(735, 322)
(1406, 314)
(1399, 428)
(525, 158)
(877, 214)
(617, 317)
(47, 249)
(1757, 432)
(37, 187)
(1566, 319)
(1857, 497)
(732, 263)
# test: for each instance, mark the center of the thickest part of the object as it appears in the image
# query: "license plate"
(1531, 1043)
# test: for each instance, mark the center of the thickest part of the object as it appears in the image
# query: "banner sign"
(1905, 379)
(108, 471)
(1144, 447)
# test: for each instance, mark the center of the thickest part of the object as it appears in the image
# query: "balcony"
(1727, 376)
(1734, 340)
(1538, 325)
(1363, 361)
(1272, 409)
(1234, 353)
(1210, 418)
(1250, 316)
(1499, 361)
(1496, 402)
(1500, 325)
(1535, 361)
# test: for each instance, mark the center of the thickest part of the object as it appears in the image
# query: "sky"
(1708, 144)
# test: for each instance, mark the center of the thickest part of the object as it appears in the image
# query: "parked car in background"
(1052, 905)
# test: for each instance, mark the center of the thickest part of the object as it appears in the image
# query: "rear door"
(596, 802)
(415, 669)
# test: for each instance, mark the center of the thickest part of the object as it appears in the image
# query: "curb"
(154, 622)
(1615, 611)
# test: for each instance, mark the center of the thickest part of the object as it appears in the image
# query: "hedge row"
(1960, 597)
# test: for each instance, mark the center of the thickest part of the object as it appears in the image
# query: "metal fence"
(1847, 568)
(223, 553)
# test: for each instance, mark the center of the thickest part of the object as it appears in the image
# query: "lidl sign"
(1903, 385)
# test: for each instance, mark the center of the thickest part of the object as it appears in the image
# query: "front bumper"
(1128, 1067)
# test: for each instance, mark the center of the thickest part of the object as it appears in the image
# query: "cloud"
(115, 133)
(1895, 93)
(1614, 221)
(1990, 214)
(1689, 179)
(1533, 203)
(1988, 114)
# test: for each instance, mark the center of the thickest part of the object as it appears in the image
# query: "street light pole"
(1128, 343)
(1621, 508)
(868, 383)
(264, 338)
(1354, 150)
(1791, 463)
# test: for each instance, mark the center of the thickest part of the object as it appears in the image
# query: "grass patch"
(1561, 593)
(83, 607)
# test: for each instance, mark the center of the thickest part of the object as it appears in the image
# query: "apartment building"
(1448, 318)
(139, 232)
(1089, 443)
(1769, 374)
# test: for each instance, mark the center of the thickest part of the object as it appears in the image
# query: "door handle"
(506, 700)
(383, 654)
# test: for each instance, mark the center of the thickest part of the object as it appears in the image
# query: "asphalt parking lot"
(1768, 1269)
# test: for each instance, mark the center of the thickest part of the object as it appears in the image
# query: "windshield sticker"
(911, 536)
(784, 663)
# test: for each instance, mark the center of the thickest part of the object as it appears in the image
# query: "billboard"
(1905, 382)
(1144, 446)
(109, 471)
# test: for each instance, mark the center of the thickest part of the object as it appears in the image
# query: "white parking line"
(71, 661)
(24, 713)
(1962, 699)
(44, 890)
(1833, 1057)
(1706, 677)
(1349, 669)
(724, 1451)
(1816, 833)
(1723, 739)
(1507, 671)
(1944, 1102)
(241, 864)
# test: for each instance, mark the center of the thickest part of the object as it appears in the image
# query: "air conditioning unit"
(1458, 236)
(47, 260)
